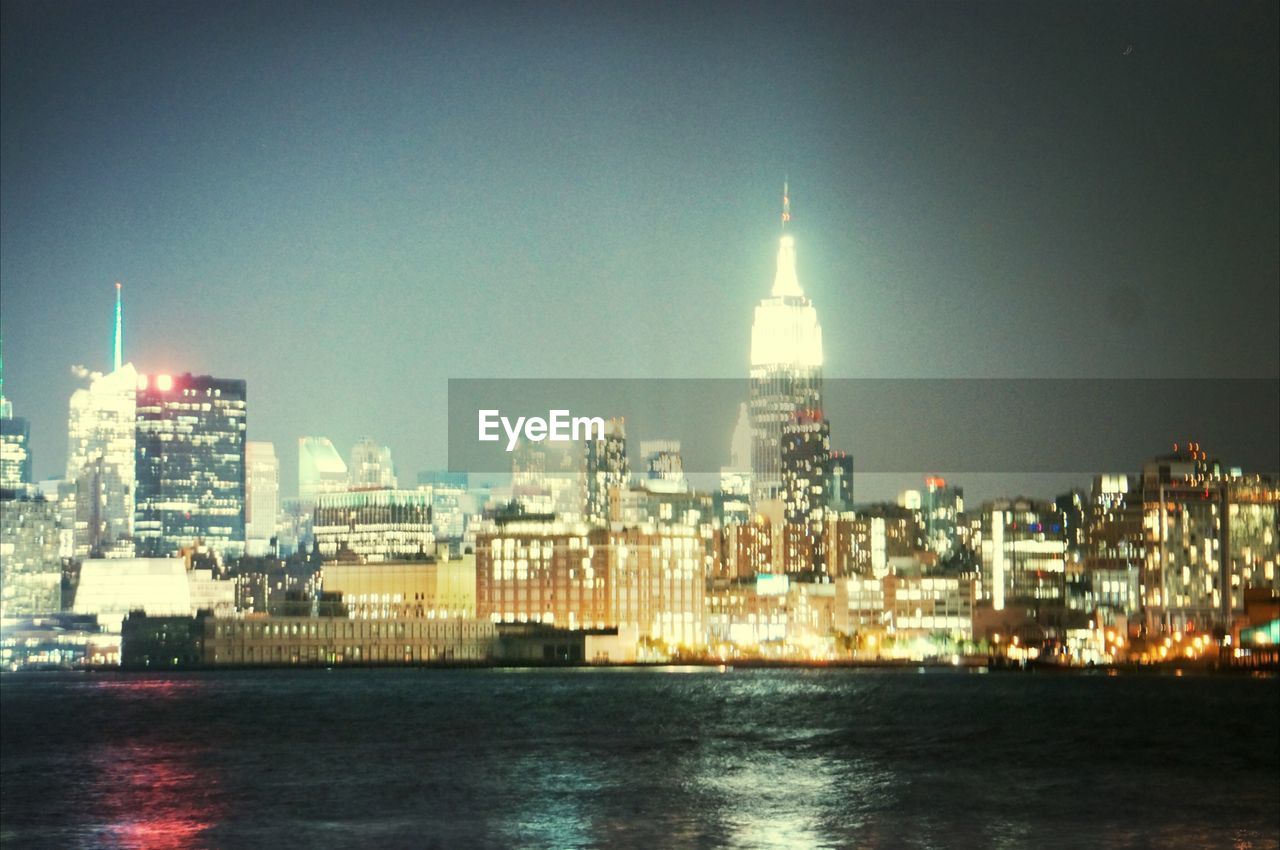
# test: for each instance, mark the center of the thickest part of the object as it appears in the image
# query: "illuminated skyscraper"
(30, 569)
(840, 481)
(605, 467)
(806, 455)
(1210, 535)
(939, 508)
(190, 464)
(100, 463)
(1023, 550)
(261, 496)
(371, 465)
(15, 453)
(100, 453)
(15, 443)
(786, 365)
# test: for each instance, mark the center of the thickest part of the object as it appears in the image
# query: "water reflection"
(767, 759)
(149, 794)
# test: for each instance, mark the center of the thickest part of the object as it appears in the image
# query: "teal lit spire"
(118, 337)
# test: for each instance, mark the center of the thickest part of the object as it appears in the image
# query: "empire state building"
(786, 365)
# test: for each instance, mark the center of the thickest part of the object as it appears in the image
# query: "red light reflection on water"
(152, 793)
(152, 687)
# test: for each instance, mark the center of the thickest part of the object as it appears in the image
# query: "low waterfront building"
(912, 609)
(61, 641)
(431, 589)
(571, 575)
(657, 583)
(267, 640)
(342, 640)
(534, 643)
(543, 571)
(749, 613)
(112, 588)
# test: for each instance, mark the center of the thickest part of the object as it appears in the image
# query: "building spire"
(117, 338)
(6, 409)
(785, 281)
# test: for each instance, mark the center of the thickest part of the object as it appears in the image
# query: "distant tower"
(101, 463)
(15, 443)
(320, 470)
(786, 365)
(605, 466)
(261, 496)
(117, 336)
(371, 465)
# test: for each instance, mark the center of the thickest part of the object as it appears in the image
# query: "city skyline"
(334, 234)
(827, 424)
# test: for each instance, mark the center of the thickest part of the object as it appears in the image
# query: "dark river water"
(638, 759)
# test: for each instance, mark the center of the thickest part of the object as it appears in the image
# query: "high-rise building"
(664, 466)
(605, 467)
(939, 508)
(840, 481)
(786, 365)
(261, 497)
(543, 571)
(374, 525)
(450, 504)
(806, 455)
(101, 433)
(15, 453)
(320, 469)
(15, 443)
(657, 578)
(30, 566)
(648, 581)
(371, 465)
(1114, 545)
(100, 454)
(1023, 548)
(190, 464)
(1210, 535)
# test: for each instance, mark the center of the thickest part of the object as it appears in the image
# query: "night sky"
(348, 204)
